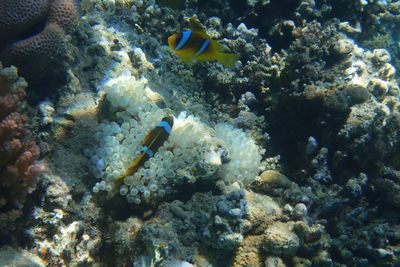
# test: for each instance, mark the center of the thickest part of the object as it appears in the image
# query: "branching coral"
(18, 167)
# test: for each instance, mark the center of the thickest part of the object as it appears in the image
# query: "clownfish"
(153, 140)
(196, 44)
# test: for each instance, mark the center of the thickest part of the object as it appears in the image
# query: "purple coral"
(34, 31)
(18, 166)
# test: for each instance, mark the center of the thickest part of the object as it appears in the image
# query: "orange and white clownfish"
(196, 44)
(153, 140)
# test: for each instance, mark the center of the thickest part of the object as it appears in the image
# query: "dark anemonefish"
(196, 44)
(153, 140)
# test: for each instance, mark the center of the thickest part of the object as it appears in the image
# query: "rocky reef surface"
(291, 158)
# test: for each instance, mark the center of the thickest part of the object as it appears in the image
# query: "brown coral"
(63, 13)
(34, 53)
(35, 31)
(18, 16)
(18, 166)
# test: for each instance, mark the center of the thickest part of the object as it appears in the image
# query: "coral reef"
(34, 32)
(58, 238)
(311, 93)
(18, 166)
(204, 222)
(291, 158)
(71, 244)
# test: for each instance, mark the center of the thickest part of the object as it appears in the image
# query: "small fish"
(154, 139)
(196, 44)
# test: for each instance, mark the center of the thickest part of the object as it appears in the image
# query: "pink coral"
(8, 102)
(18, 166)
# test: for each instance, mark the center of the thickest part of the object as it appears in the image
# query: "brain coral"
(63, 13)
(33, 31)
(18, 16)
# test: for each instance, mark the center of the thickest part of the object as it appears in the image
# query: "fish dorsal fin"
(147, 138)
(195, 25)
(220, 48)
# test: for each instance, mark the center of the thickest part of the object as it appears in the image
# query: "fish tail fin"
(118, 180)
(227, 59)
(132, 168)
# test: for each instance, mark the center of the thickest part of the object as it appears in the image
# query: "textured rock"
(279, 239)
(72, 244)
(248, 253)
(262, 211)
(274, 178)
(274, 262)
(17, 257)
(205, 219)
